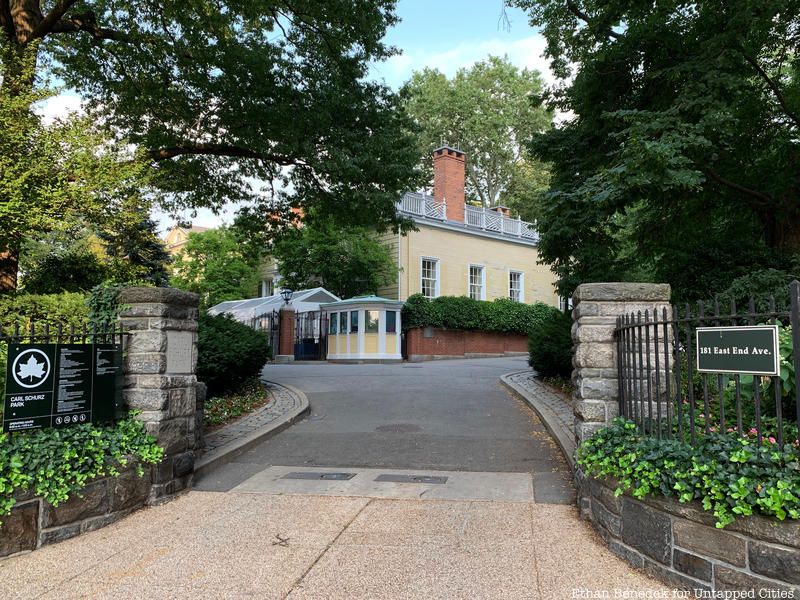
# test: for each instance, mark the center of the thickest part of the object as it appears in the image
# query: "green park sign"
(748, 349)
(59, 385)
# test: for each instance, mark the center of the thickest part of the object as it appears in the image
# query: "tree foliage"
(348, 261)
(489, 111)
(219, 96)
(217, 266)
(680, 163)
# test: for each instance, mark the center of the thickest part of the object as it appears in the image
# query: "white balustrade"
(474, 216)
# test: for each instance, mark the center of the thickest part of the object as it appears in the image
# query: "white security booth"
(364, 329)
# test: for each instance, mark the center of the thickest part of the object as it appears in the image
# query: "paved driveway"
(443, 415)
(499, 524)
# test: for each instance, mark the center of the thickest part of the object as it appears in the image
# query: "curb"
(226, 453)
(549, 419)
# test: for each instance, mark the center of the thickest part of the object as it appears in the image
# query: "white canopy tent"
(245, 311)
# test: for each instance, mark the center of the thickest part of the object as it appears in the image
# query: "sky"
(445, 34)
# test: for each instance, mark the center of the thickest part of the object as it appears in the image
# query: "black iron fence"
(661, 389)
(85, 333)
(269, 322)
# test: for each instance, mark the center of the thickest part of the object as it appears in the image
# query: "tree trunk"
(9, 266)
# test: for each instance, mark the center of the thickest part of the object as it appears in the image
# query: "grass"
(248, 397)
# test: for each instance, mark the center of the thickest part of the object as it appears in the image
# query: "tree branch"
(774, 87)
(166, 153)
(46, 24)
(764, 199)
(575, 10)
(87, 22)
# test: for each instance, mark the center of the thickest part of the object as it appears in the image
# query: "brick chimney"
(448, 180)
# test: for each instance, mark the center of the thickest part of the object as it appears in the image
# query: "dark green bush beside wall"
(228, 352)
(550, 346)
(460, 312)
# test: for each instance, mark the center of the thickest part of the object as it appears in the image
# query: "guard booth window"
(391, 321)
(353, 321)
(333, 323)
(343, 322)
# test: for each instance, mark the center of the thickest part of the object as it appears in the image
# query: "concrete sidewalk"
(257, 545)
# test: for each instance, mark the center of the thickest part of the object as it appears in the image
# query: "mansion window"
(267, 287)
(515, 286)
(477, 284)
(429, 277)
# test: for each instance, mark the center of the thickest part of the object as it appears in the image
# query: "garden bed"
(233, 405)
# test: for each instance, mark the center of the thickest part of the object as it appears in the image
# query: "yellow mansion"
(463, 250)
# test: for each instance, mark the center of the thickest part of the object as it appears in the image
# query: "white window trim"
(436, 286)
(483, 280)
(521, 283)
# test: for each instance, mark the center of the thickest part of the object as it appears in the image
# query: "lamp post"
(286, 294)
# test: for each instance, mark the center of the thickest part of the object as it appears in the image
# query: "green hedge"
(459, 312)
(20, 309)
(550, 346)
(228, 352)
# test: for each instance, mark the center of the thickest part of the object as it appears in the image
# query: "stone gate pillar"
(595, 312)
(288, 319)
(160, 381)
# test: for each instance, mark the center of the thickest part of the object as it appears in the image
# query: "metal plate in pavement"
(319, 476)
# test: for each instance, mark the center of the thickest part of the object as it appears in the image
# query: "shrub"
(550, 345)
(228, 352)
(729, 474)
(55, 463)
(459, 312)
(54, 309)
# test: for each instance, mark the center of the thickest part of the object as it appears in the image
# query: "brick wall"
(431, 344)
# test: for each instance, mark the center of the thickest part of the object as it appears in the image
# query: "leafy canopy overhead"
(220, 96)
(681, 161)
(489, 111)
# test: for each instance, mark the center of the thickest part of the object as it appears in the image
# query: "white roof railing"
(475, 217)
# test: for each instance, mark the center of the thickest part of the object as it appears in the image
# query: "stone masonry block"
(647, 530)
(147, 363)
(165, 382)
(584, 430)
(594, 355)
(599, 389)
(172, 434)
(147, 341)
(165, 324)
(593, 333)
(181, 402)
(726, 579)
(162, 295)
(777, 562)
(20, 529)
(89, 502)
(129, 490)
(692, 565)
(709, 541)
(146, 399)
(588, 410)
(622, 291)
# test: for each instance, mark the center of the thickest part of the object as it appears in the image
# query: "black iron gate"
(269, 322)
(310, 340)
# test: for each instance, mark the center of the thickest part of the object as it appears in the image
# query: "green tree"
(215, 265)
(680, 162)
(217, 95)
(135, 251)
(489, 111)
(346, 261)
